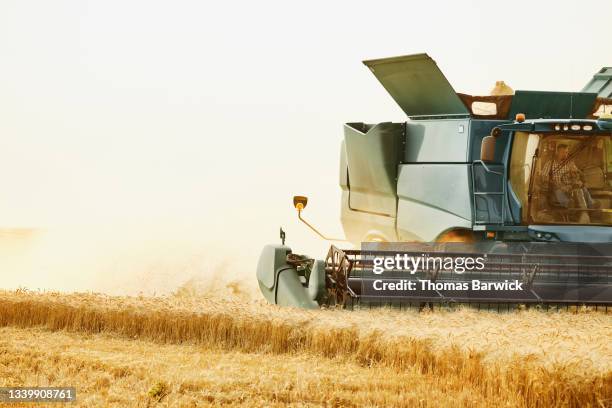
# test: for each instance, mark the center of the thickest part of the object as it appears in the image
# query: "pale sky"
(215, 113)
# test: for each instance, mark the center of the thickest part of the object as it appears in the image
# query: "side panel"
(420, 222)
(432, 198)
(358, 225)
(372, 155)
(361, 226)
(444, 140)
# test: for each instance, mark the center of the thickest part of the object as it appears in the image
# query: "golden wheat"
(113, 371)
(526, 358)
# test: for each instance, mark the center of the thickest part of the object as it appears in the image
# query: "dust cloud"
(124, 261)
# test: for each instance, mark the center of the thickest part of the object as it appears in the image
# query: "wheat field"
(188, 350)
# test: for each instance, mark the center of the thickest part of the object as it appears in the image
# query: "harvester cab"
(524, 166)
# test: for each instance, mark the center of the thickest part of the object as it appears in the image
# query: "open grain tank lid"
(418, 86)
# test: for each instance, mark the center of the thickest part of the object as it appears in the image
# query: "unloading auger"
(522, 178)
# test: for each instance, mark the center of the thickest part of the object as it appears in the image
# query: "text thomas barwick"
(405, 284)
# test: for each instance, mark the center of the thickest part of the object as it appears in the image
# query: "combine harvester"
(524, 178)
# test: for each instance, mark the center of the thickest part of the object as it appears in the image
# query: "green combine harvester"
(524, 178)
